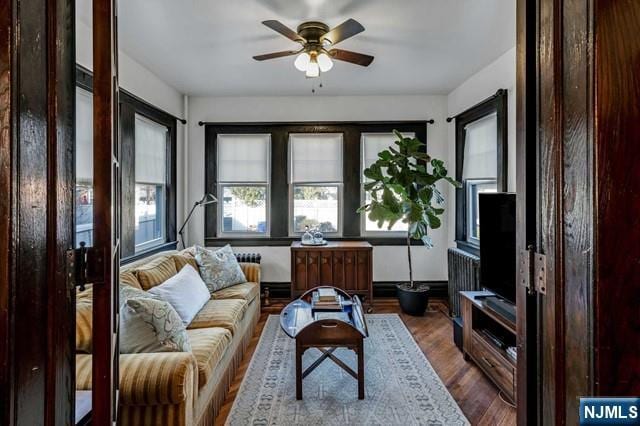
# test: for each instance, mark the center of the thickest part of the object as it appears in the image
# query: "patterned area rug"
(401, 387)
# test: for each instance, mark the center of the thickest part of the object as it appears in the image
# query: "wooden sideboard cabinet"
(344, 264)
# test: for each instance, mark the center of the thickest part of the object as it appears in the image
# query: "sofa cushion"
(185, 291)
(245, 291)
(219, 268)
(84, 321)
(149, 325)
(208, 346)
(128, 278)
(220, 313)
(182, 260)
(156, 272)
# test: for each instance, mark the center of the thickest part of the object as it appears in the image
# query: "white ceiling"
(204, 47)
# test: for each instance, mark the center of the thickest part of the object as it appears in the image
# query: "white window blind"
(480, 148)
(84, 135)
(151, 146)
(373, 143)
(243, 158)
(316, 157)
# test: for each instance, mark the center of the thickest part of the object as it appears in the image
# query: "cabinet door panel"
(363, 270)
(326, 268)
(300, 270)
(350, 275)
(338, 269)
(313, 269)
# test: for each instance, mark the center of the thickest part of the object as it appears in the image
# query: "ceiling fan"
(317, 42)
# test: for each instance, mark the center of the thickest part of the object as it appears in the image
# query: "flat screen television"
(498, 243)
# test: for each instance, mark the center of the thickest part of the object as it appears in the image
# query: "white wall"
(390, 263)
(143, 83)
(500, 74)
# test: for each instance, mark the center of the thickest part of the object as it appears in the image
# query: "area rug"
(401, 387)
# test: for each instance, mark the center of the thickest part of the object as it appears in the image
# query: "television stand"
(487, 338)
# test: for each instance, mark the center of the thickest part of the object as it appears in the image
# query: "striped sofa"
(178, 388)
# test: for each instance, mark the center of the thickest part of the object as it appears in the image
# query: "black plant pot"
(413, 301)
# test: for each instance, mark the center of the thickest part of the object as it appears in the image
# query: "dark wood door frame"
(37, 111)
(106, 212)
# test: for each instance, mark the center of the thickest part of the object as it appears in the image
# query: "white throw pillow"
(185, 291)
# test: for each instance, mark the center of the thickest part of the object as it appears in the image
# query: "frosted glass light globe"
(325, 62)
(302, 61)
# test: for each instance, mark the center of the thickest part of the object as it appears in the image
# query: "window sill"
(468, 247)
(157, 249)
(286, 241)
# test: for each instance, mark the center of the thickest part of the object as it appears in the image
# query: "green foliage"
(402, 184)
(314, 193)
(251, 196)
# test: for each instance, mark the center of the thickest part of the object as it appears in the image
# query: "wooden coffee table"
(298, 322)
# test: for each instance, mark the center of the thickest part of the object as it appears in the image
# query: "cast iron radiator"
(248, 257)
(464, 274)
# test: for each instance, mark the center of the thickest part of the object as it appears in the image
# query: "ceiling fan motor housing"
(313, 31)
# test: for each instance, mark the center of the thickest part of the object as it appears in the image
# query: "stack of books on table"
(326, 299)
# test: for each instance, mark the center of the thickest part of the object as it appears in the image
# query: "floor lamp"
(206, 200)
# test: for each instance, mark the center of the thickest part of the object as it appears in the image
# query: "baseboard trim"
(282, 290)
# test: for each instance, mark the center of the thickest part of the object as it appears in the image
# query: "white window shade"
(480, 148)
(243, 158)
(374, 143)
(84, 135)
(151, 147)
(316, 157)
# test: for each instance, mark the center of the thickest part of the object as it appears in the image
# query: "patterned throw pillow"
(220, 268)
(150, 325)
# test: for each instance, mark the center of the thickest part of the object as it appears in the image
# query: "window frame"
(496, 104)
(243, 235)
(469, 184)
(280, 191)
(378, 233)
(292, 232)
(129, 105)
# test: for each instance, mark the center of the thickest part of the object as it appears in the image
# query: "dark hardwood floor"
(475, 394)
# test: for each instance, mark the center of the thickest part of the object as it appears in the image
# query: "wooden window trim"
(130, 105)
(279, 195)
(495, 104)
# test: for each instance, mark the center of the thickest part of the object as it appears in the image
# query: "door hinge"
(532, 271)
(85, 265)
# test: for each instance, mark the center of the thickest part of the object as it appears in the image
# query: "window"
(316, 181)
(84, 167)
(147, 173)
(243, 184)
(372, 144)
(481, 164)
(150, 183)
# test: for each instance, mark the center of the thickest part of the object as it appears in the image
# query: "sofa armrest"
(150, 378)
(251, 272)
(158, 378)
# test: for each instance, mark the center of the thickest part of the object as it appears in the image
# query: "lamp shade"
(313, 69)
(302, 61)
(324, 62)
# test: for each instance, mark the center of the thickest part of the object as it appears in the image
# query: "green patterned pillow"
(220, 268)
(150, 325)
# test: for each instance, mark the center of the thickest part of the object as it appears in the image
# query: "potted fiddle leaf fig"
(402, 187)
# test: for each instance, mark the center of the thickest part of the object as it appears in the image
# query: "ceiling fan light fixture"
(313, 69)
(302, 61)
(324, 62)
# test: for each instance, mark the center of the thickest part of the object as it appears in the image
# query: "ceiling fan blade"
(347, 29)
(276, 55)
(352, 57)
(279, 27)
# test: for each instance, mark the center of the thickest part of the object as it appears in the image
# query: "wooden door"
(37, 98)
(578, 195)
(106, 212)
